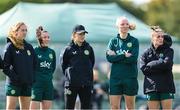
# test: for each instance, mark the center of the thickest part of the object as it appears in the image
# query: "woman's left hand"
(127, 54)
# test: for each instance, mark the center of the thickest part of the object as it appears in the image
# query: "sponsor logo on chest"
(45, 64)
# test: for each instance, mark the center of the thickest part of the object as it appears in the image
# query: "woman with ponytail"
(122, 52)
(42, 90)
(156, 64)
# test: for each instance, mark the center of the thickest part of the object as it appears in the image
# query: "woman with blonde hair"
(19, 65)
(123, 52)
(156, 64)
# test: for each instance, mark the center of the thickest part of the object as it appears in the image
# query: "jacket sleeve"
(143, 67)
(146, 69)
(54, 61)
(163, 63)
(35, 63)
(64, 60)
(113, 58)
(134, 52)
(1, 63)
(92, 57)
(8, 67)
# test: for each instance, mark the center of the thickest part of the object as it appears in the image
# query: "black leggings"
(85, 94)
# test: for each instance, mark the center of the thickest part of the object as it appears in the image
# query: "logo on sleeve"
(129, 44)
(28, 52)
(86, 52)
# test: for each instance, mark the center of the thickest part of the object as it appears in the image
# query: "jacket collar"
(127, 39)
(75, 45)
(17, 43)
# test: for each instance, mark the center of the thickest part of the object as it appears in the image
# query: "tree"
(164, 13)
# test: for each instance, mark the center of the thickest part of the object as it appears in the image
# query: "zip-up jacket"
(77, 64)
(19, 64)
(123, 67)
(156, 65)
(46, 64)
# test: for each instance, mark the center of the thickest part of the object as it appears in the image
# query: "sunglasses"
(23, 30)
(160, 36)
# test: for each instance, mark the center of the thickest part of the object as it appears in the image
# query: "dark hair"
(156, 28)
(167, 40)
(39, 31)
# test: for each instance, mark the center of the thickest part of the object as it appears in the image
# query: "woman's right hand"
(111, 52)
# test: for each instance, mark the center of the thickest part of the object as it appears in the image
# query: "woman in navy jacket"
(19, 65)
(156, 64)
(77, 63)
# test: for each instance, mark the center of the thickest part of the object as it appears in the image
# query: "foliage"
(166, 14)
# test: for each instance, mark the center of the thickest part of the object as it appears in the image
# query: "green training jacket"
(46, 63)
(123, 67)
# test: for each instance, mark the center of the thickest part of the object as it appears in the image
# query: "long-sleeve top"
(123, 67)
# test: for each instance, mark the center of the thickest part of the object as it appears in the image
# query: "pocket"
(14, 77)
(68, 73)
(71, 75)
(150, 85)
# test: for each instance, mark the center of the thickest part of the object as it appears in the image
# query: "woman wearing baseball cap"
(123, 52)
(42, 90)
(77, 63)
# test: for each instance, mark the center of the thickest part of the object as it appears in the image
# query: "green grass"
(177, 76)
(2, 76)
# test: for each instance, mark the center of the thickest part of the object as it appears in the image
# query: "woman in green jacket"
(123, 52)
(42, 90)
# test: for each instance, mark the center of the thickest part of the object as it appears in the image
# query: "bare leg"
(153, 105)
(166, 104)
(11, 102)
(34, 105)
(130, 102)
(115, 101)
(46, 104)
(24, 102)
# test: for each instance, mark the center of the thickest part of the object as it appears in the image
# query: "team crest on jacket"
(28, 52)
(39, 56)
(129, 44)
(50, 56)
(161, 55)
(86, 52)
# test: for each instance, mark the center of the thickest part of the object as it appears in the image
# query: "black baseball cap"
(79, 29)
